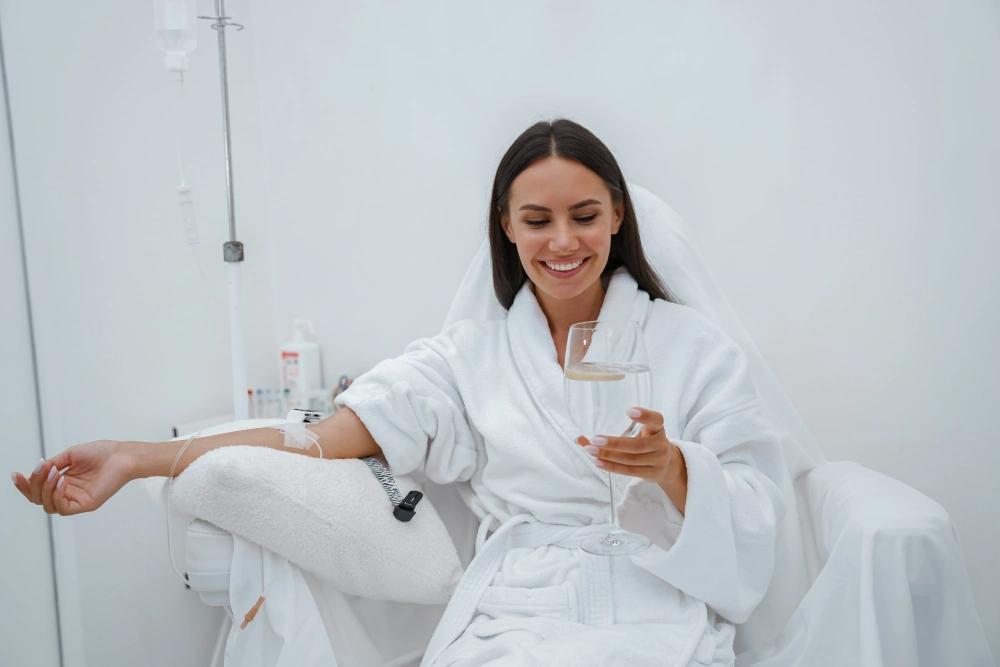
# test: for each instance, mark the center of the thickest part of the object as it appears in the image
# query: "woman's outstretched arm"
(93, 472)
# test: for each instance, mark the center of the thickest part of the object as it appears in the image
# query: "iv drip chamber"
(186, 198)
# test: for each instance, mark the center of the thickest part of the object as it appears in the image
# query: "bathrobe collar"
(535, 352)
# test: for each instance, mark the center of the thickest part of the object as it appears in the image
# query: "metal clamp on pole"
(232, 251)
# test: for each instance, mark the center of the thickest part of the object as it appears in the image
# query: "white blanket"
(482, 404)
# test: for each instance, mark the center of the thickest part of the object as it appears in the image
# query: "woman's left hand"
(649, 455)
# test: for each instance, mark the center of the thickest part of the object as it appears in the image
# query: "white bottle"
(176, 31)
(301, 370)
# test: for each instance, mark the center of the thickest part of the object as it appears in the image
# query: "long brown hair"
(565, 139)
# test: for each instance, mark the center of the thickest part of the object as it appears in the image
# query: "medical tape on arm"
(297, 436)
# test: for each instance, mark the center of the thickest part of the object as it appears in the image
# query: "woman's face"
(561, 218)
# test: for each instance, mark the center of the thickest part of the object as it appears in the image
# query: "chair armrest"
(890, 580)
(844, 495)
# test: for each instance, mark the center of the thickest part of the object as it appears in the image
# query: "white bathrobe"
(482, 404)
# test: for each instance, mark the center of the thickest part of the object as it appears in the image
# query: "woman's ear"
(619, 218)
(505, 223)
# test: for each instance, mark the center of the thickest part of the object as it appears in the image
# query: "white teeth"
(564, 267)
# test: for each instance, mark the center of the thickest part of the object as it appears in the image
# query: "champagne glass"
(606, 373)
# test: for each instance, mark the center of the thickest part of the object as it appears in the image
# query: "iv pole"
(232, 249)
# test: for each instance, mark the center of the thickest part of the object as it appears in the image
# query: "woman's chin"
(563, 290)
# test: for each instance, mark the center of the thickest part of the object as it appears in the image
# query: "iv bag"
(176, 34)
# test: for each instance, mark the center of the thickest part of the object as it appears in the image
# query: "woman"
(482, 404)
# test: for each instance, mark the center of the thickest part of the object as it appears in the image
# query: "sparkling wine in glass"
(606, 372)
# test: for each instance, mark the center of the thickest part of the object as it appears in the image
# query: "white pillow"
(329, 517)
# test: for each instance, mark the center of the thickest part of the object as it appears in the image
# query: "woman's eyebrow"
(536, 207)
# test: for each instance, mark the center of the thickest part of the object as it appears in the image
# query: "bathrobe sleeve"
(413, 408)
(725, 550)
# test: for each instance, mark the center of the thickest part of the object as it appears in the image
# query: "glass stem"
(614, 505)
(633, 430)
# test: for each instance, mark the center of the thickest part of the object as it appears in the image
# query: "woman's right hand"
(94, 472)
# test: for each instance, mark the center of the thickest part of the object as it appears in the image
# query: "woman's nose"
(563, 239)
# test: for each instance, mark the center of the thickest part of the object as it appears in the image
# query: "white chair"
(869, 571)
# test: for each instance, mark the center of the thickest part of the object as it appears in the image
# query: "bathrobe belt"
(523, 530)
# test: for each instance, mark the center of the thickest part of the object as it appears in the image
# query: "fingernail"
(13, 478)
(634, 414)
(599, 463)
(599, 440)
(52, 472)
(59, 483)
(38, 467)
(590, 449)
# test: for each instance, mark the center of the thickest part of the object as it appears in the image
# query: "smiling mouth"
(564, 266)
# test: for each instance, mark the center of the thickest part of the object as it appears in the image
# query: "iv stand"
(232, 249)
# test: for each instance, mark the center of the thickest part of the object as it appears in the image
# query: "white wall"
(28, 624)
(131, 337)
(837, 161)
